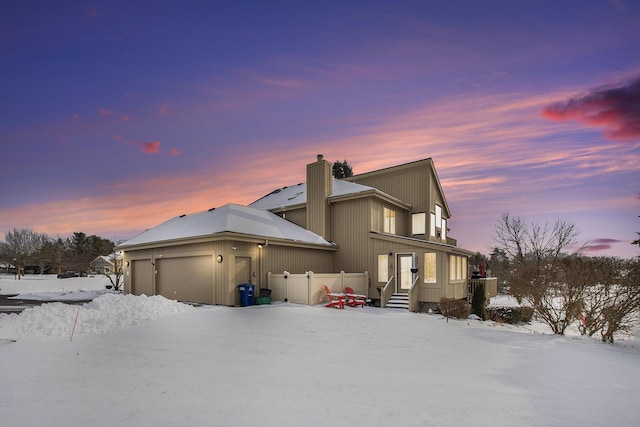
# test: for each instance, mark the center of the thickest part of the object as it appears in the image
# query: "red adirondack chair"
(353, 299)
(335, 300)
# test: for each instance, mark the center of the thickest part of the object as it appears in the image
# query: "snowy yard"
(151, 361)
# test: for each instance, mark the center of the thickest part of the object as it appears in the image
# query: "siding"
(351, 226)
(296, 216)
(409, 184)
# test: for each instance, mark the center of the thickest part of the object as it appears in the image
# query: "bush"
(456, 308)
(511, 315)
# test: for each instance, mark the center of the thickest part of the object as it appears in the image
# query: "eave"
(228, 236)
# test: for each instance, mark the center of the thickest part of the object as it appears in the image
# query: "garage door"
(186, 278)
(141, 277)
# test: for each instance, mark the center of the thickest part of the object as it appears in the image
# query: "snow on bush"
(107, 313)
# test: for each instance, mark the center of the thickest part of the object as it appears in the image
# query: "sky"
(116, 116)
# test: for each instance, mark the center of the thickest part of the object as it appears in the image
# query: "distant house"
(104, 264)
(391, 223)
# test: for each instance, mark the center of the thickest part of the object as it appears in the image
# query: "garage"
(187, 279)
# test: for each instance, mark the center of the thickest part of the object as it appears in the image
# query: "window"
(444, 229)
(433, 225)
(418, 223)
(430, 268)
(389, 221)
(457, 267)
(438, 216)
(383, 268)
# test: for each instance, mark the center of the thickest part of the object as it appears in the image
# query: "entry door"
(243, 270)
(405, 277)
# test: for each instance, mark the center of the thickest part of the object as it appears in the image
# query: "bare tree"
(115, 277)
(612, 299)
(536, 252)
(22, 246)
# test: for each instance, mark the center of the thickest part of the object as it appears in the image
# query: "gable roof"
(297, 195)
(230, 218)
(417, 163)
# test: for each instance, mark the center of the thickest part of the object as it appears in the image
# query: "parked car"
(67, 274)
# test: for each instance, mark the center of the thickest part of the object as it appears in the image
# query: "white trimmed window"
(383, 268)
(457, 267)
(444, 229)
(389, 221)
(418, 223)
(430, 268)
(433, 225)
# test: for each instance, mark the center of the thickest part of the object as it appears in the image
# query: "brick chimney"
(319, 188)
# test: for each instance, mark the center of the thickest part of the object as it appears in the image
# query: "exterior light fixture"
(219, 258)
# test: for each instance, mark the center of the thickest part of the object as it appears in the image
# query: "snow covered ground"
(150, 361)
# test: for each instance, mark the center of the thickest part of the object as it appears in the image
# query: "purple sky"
(118, 115)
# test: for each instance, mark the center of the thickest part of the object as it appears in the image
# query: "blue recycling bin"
(247, 294)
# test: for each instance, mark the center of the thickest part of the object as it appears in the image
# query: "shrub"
(456, 308)
(511, 315)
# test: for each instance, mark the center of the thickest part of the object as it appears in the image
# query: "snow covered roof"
(228, 218)
(297, 194)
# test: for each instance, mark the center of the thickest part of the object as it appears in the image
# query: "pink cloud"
(105, 112)
(597, 245)
(175, 152)
(152, 147)
(76, 116)
(163, 110)
(617, 109)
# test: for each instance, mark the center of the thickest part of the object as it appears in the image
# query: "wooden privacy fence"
(308, 288)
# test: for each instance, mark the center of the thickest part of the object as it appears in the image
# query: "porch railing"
(414, 294)
(386, 292)
(490, 286)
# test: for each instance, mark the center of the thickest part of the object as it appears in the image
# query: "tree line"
(27, 250)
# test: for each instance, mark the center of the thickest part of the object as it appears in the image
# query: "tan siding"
(411, 185)
(277, 259)
(351, 233)
(296, 216)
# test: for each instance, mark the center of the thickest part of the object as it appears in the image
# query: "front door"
(405, 276)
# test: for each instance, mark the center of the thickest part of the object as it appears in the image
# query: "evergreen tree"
(479, 302)
(342, 169)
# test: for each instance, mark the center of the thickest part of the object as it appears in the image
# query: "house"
(103, 264)
(391, 223)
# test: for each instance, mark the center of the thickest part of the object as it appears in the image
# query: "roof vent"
(183, 215)
(212, 209)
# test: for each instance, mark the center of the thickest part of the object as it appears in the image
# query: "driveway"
(9, 304)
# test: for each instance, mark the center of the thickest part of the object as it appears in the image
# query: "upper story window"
(389, 221)
(418, 223)
(438, 224)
